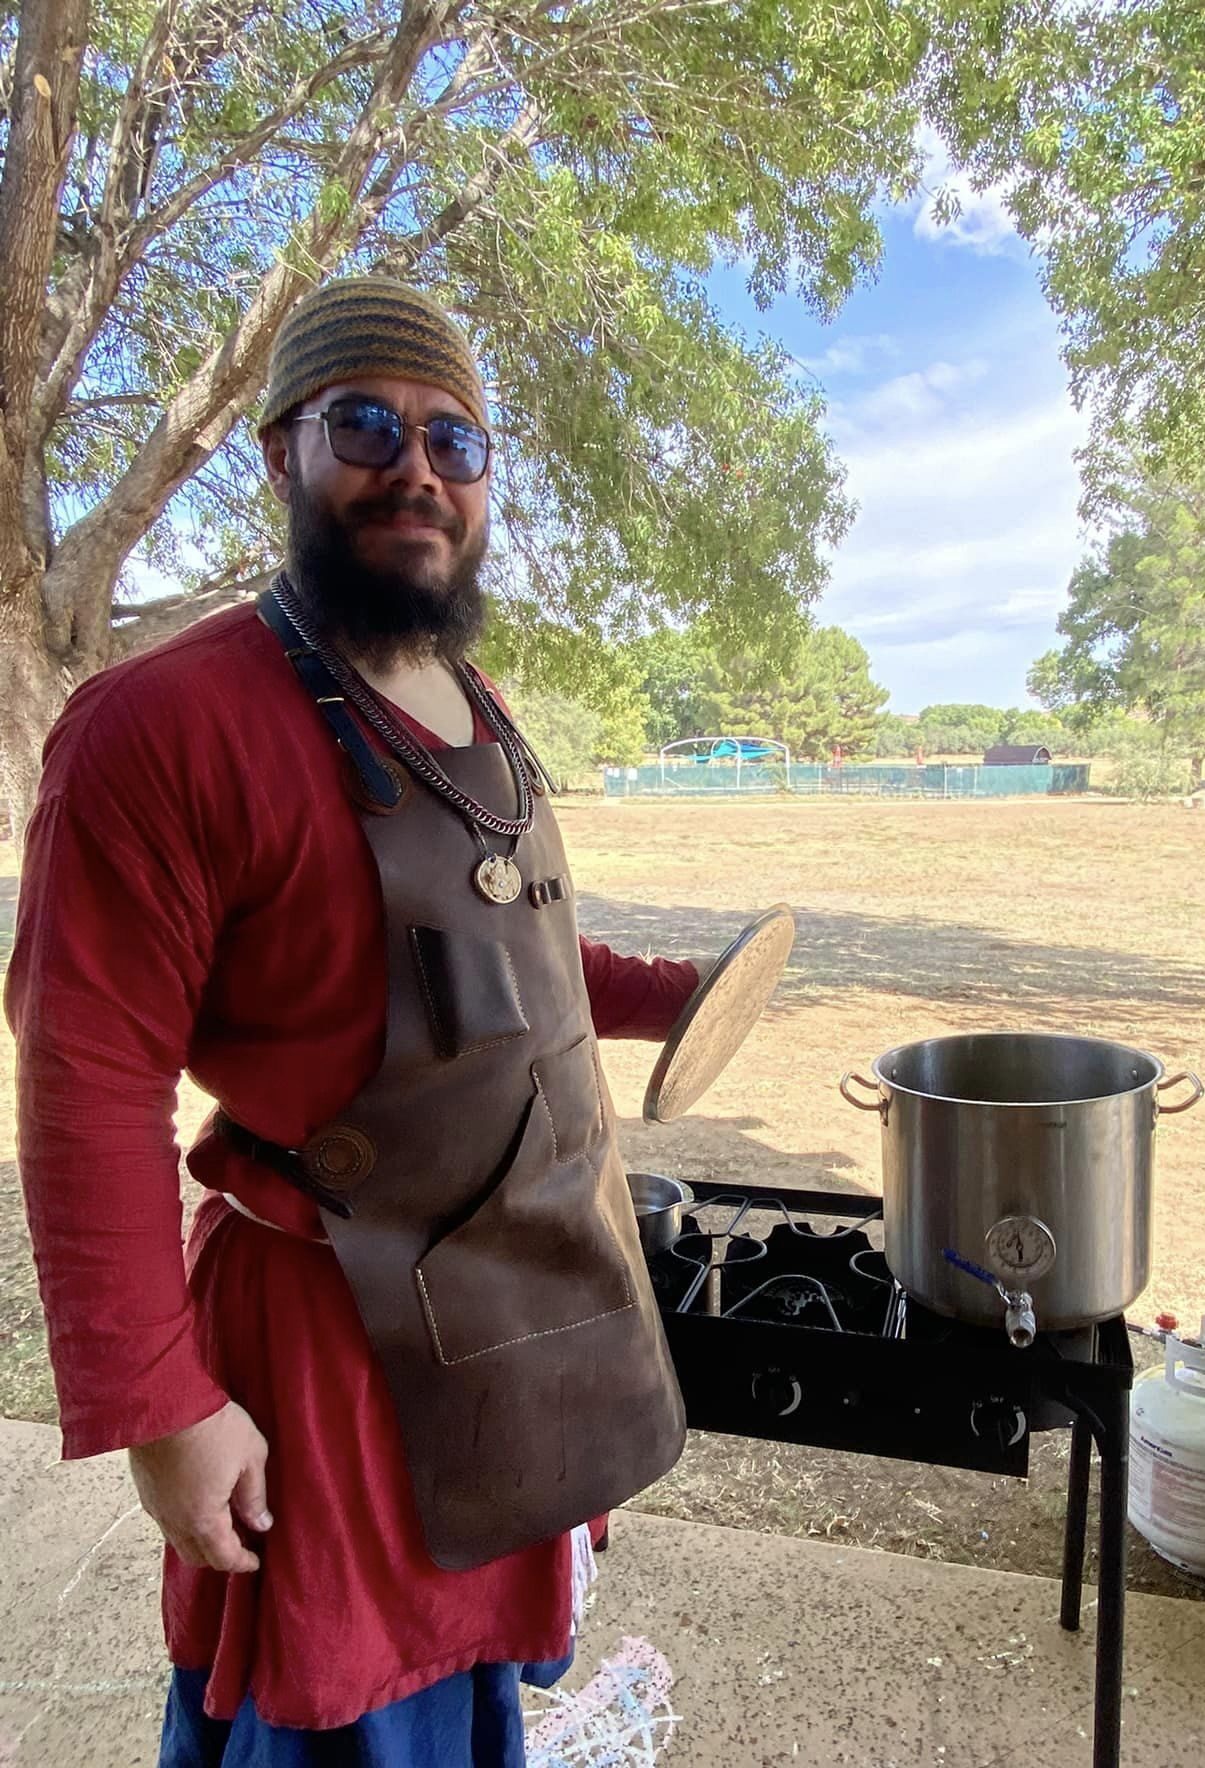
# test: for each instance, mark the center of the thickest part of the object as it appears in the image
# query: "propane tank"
(1167, 1455)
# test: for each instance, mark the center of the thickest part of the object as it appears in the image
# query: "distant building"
(1017, 755)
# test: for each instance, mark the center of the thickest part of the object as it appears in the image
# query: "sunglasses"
(365, 433)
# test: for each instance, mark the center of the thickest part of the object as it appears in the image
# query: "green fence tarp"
(679, 779)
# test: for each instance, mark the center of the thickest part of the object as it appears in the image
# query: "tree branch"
(78, 306)
(203, 412)
(78, 407)
(135, 137)
(521, 137)
(149, 623)
(476, 57)
(91, 281)
(245, 147)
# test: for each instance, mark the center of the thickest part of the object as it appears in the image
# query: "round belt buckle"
(338, 1157)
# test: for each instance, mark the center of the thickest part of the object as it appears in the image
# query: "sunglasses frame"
(406, 426)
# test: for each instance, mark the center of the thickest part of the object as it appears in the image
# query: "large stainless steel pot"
(1017, 1170)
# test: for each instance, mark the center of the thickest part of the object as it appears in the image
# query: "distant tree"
(622, 737)
(668, 666)
(1027, 725)
(571, 737)
(896, 736)
(564, 734)
(1134, 628)
(960, 728)
(825, 697)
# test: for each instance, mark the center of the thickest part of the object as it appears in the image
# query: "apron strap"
(380, 785)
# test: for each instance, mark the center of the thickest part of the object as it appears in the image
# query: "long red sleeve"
(115, 937)
(635, 997)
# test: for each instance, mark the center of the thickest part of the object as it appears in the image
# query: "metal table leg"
(1075, 1535)
(1114, 1445)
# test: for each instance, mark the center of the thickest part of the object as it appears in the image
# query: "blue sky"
(948, 403)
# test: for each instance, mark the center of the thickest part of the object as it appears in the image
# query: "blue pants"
(468, 1721)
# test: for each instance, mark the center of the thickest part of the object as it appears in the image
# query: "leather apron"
(475, 1196)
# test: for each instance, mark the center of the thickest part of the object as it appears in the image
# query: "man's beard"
(380, 614)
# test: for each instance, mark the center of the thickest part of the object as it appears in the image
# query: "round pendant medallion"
(498, 879)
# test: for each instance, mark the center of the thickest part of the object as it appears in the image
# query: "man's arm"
(637, 997)
(119, 906)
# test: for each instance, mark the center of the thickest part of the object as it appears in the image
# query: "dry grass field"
(914, 919)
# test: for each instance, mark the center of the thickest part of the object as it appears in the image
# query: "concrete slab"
(81, 1654)
(788, 1651)
(765, 1651)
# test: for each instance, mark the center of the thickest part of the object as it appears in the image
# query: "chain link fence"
(711, 779)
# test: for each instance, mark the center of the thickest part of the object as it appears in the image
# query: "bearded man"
(302, 853)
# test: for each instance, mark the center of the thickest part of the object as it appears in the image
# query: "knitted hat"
(368, 325)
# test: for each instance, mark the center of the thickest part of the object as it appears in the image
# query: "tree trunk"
(35, 680)
(33, 686)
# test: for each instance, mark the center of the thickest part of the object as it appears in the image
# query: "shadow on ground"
(935, 961)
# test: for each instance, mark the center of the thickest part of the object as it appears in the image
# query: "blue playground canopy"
(748, 748)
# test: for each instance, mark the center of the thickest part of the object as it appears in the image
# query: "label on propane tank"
(1168, 1493)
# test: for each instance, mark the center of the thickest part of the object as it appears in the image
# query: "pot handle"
(1174, 1081)
(876, 1104)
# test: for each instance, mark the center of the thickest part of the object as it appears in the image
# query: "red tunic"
(197, 895)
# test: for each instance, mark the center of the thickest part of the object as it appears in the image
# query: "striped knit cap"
(368, 325)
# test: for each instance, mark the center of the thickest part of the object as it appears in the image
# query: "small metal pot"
(659, 1203)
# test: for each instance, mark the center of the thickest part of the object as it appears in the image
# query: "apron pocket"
(539, 1256)
(470, 990)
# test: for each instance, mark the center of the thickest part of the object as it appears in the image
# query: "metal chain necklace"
(495, 877)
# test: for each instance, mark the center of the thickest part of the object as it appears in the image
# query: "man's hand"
(196, 1483)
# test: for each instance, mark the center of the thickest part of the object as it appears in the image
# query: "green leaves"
(1135, 623)
(1094, 116)
(823, 697)
(333, 201)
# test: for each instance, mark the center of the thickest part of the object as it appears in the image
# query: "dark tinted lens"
(458, 449)
(362, 433)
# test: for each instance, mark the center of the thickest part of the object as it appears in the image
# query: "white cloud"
(983, 222)
(908, 397)
(967, 532)
(936, 562)
(850, 355)
(993, 452)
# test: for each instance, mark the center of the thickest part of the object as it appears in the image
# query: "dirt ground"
(914, 919)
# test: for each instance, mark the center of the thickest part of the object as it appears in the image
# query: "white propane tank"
(1167, 1455)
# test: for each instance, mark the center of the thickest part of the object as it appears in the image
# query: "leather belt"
(289, 1163)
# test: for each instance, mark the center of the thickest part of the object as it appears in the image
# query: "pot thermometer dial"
(1020, 1249)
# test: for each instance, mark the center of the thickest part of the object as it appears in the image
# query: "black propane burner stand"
(777, 1334)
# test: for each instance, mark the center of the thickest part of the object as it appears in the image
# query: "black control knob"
(998, 1421)
(777, 1392)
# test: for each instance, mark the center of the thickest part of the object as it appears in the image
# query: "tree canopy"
(1134, 626)
(1092, 118)
(563, 174)
(177, 172)
(823, 698)
(669, 665)
(969, 729)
